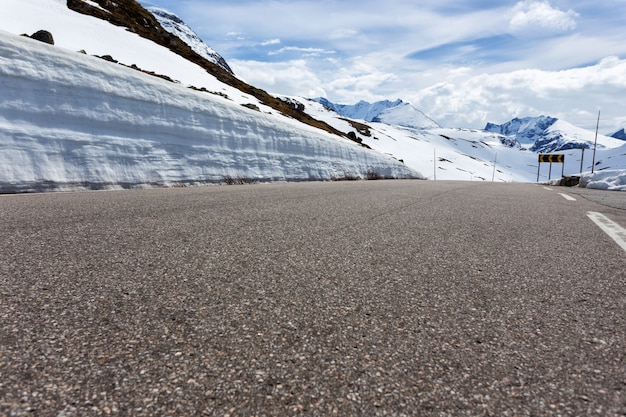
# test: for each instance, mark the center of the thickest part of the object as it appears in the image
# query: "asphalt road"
(362, 298)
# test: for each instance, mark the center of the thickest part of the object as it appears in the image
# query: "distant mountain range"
(542, 134)
(545, 134)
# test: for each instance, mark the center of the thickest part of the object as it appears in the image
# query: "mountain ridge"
(620, 134)
(395, 112)
(546, 134)
(176, 26)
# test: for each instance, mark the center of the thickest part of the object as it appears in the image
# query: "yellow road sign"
(559, 158)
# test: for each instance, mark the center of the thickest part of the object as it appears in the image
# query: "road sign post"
(551, 158)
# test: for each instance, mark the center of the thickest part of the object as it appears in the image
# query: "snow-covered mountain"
(441, 153)
(175, 25)
(620, 134)
(466, 154)
(546, 134)
(396, 113)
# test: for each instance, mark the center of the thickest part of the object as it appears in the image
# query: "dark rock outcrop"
(43, 36)
(570, 181)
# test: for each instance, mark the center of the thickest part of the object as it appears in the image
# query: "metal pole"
(582, 158)
(562, 169)
(550, 172)
(595, 145)
(495, 160)
(538, 170)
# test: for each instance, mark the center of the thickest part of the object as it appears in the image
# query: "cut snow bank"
(68, 120)
(614, 180)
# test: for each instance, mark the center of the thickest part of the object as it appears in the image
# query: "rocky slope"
(176, 26)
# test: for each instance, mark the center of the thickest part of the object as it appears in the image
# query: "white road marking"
(567, 197)
(547, 188)
(614, 230)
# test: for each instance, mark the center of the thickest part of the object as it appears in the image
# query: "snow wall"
(72, 121)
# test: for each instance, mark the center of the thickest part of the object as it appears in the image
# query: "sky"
(462, 63)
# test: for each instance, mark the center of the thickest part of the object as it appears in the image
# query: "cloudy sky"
(462, 63)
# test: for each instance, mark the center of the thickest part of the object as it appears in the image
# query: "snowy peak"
(176, 26)
(396, 113)
(546, 134)
(361, 110)
(526, 130)
(620, 134)
(406, 115)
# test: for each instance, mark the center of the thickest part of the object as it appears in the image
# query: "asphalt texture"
(357, 298)
(615, 199)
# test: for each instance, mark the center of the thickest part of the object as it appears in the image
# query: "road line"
(567, 197)
(547, 188)
(614, 230)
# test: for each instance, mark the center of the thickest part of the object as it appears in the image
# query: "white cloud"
(343, 33)
(574, 95)
(287, 78)
(271, 42)
(531, 15)
(362, 53)
(467, 98)
(237, 36)
(306, 51)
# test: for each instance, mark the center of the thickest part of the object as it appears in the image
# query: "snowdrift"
(614, 180)
(68, 121)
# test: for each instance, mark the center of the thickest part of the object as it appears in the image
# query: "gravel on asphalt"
(369, 298)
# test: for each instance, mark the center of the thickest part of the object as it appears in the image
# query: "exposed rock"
(570, 181)
(43, 36)
(620, 134)
(108, 58)
(252, 106)
(353, 137)
(293, 103)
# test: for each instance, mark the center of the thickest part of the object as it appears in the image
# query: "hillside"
(620, 134)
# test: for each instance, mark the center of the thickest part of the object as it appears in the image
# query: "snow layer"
(71, 120)
(604, 180)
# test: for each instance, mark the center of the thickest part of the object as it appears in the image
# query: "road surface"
(356, 298)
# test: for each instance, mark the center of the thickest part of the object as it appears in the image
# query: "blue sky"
(462, 63)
